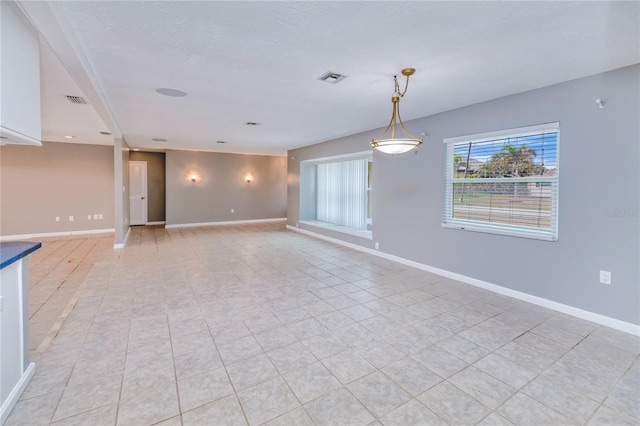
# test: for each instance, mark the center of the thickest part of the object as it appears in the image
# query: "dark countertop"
(13, 251)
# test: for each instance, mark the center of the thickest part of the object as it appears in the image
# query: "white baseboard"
(229, 222)
(159, 222)
(126, 237)
(56, 234)
(627, 327)
(336, 228)
(13, 397)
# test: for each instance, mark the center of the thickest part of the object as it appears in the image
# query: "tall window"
(504, 182)
(337, 191)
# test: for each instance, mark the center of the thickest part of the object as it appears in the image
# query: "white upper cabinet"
(19, 78)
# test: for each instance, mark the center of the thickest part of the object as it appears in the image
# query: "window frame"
(364, 155)
(448, 221)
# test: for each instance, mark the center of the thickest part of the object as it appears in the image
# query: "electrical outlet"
(71, 218)
(89, 217)
(233, 210)
(377, 245)
(57, 218)
(605, 277)
(95, 217)
(100, 216)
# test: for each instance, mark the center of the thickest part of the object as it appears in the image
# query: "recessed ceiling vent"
(252, 123)
(332, 77)
(175, 93)
(77, 100)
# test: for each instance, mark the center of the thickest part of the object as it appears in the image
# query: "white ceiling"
(258, 61)
(60, 117)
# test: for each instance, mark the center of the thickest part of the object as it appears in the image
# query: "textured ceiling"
(62, 118)
(258, 61)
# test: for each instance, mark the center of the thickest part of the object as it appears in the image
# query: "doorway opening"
(155, 187)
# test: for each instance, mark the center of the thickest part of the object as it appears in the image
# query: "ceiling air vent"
(331, 77)
(252, 123)
(77, 100)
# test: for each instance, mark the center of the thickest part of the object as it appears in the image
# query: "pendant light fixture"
(397, 143)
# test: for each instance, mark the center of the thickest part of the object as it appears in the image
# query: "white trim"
(461, 225)
(13, 397)
(337, 228)
(360, 155)
(229, 222)
(334, 240)
(23, 266)
(158, 222)
(519, 131)
(17, 137)
(624, 326)
(126, 237)
(56, 234)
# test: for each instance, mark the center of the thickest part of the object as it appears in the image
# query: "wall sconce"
(249, 178)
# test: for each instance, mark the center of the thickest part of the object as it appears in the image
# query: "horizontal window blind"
(504, 182)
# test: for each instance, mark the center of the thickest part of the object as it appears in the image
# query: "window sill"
(337, 228)
(500, 231)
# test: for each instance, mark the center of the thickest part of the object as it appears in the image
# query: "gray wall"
(121, 189)
(57, 179)
(221, 186)
(599, 172)
(308, 197)
(155, 183)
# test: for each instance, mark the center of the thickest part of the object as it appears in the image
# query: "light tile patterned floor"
(230, 325)
(56, 272)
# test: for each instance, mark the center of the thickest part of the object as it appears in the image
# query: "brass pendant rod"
(390, 126)
(403, 126)
(394, 120)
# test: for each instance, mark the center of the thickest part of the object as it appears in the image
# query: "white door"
(138, 192)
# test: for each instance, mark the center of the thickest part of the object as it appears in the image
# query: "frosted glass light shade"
(396, 146)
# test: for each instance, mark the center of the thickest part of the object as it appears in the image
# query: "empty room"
(319, 213)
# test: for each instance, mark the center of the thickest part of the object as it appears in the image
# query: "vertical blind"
(342, 193)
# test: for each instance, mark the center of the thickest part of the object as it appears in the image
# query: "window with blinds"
(337, 192)
(504, 182)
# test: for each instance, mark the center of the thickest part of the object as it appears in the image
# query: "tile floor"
(56, 272)
(253, 324)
